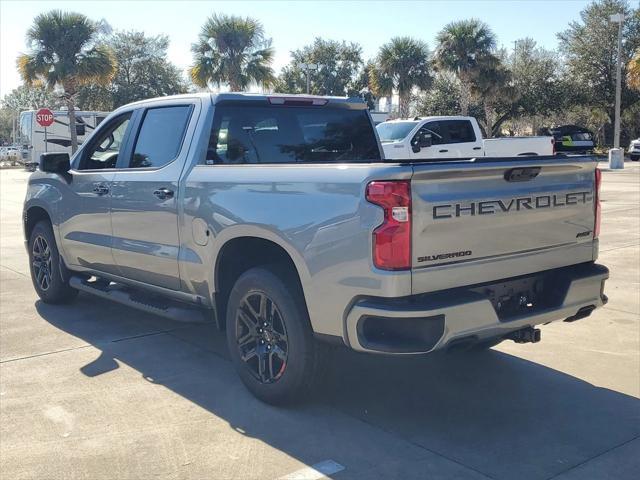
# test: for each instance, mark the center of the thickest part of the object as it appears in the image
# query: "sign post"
(44, 117)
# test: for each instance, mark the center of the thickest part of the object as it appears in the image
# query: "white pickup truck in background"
(452, 137)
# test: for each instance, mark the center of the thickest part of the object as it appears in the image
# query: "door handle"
(163, 193)
(477, 148)
(100, 189)
(443, 151)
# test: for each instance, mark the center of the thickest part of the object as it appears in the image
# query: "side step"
(155, 304)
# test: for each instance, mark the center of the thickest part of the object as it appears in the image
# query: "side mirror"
(55, 162)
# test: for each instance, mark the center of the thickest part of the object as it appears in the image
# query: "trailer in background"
(58, 136)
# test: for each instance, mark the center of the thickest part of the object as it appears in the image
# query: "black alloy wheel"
(261, 337)
(41, 261)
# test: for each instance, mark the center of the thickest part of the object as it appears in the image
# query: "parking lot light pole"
(618, 18)
(307, 67)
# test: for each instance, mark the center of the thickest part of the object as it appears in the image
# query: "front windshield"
(394, 131)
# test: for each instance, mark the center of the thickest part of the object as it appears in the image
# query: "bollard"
(616, 158)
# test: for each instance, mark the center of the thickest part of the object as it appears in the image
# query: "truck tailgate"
(479, 221)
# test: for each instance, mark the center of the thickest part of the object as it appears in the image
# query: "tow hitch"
(525, 335)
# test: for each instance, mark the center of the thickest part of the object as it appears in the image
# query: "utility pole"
(307, 67)
(618, 18)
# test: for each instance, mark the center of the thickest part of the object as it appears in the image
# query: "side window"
(435, 130)
(103, 151)
(459, 131)
(160, 136)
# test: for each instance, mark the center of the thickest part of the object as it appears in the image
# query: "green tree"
(362, 85)
(7, 119)
(492, 86)
(589, 47)
(20, 99)
(402, 65)
(232, 50)
(143, 71)
(66, 52)
(462, 47)
(339, 68)
(443, 98)
(539, 86)
(32, 97)
(633, 72)
(537, 79)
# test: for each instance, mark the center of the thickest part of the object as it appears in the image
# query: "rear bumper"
(428, 322)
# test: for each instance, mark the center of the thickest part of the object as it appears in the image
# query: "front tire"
(269, 337)
(44, 263)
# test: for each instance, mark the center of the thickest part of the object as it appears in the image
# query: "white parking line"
(315, 472)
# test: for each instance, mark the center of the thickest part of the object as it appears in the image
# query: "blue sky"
(292, 25)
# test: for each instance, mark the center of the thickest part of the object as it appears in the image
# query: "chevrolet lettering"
(490, 207)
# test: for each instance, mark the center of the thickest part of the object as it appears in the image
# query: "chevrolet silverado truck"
(279, 218)
(423, 138)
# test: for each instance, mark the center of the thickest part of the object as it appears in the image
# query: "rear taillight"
(596, 201)
(392, 239)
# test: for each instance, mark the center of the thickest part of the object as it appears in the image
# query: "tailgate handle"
(521, 174)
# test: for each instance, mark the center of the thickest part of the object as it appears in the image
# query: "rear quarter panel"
(317, 213)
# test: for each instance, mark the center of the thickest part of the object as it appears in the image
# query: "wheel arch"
(243, 252)
(32, 215)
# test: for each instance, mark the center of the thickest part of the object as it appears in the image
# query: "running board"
(150, 303)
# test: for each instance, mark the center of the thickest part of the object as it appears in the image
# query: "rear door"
(145, 190)
(479, 221)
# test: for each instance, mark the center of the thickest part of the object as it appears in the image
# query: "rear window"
(275, 134)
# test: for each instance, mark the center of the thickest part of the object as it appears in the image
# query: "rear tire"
(44, 264)
(269, 337)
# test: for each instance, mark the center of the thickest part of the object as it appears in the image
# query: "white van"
(32, 135)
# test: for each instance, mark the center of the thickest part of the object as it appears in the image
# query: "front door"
(85, 224)
(144, 196)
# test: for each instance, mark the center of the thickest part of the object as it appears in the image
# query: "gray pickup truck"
(279, 218)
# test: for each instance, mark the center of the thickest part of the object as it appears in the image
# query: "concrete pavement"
(95, 390)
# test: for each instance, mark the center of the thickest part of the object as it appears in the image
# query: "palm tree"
(232, 50)
(65, 52)
(633, 72)
(462, 48)
(402, 65)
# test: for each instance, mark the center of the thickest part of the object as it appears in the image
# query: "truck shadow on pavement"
(490, 412)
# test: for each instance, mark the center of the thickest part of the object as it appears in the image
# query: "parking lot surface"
(96, 390)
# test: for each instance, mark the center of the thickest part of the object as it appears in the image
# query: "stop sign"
(44, 117)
